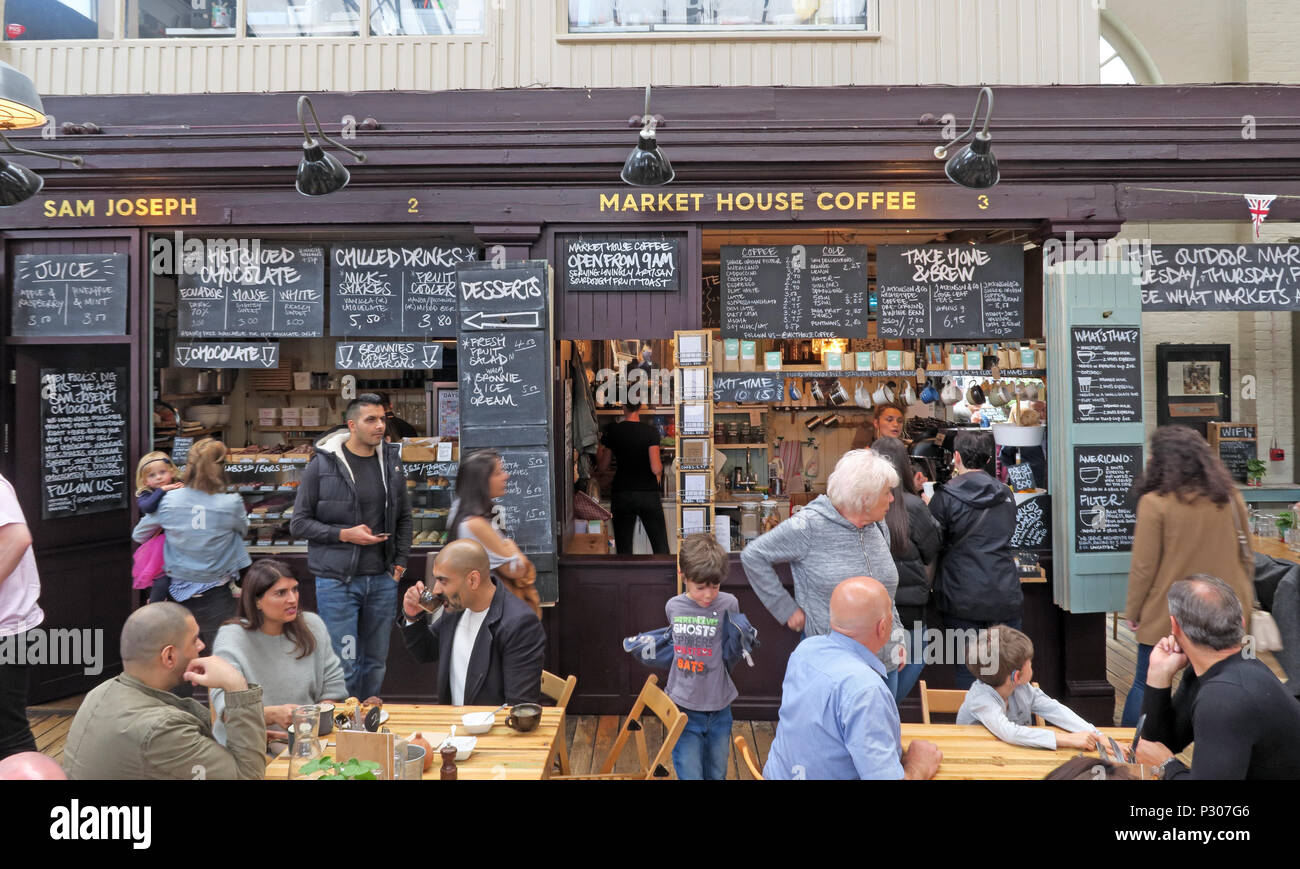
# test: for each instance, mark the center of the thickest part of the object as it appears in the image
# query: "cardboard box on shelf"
(588, 544)
(302, 380)
(291, 416)
(311, 416)
(267, 415)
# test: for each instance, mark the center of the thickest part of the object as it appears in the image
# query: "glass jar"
(304, 746)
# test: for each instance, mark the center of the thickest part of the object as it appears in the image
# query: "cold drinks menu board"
(800, 291)
(395, 290)
(83, 441)
(254, 290)
(70, 294)
(950, 291)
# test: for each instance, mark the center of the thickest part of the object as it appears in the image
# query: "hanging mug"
(950, 394)
(839, 395)
(816, 392)
(997, 395)
(883, 394)
(909, 394)
(929, 395)
(861, 396)
(975, 395)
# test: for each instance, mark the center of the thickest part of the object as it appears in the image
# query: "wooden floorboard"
(607, 727)
(583, 744)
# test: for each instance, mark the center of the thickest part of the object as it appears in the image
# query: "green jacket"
(127, 730)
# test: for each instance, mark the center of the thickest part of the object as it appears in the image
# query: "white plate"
(383, 715)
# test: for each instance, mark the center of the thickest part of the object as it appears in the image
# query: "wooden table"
(971, 752)
(1273, 547)
(501, 754)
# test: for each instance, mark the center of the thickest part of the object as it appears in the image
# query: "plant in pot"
(349, 770)
(1285, 522)
(1255, 471)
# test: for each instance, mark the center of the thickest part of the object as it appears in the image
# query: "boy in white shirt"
(1004, 701)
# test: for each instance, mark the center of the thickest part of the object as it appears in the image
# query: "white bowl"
(478, 722)
(464, 746)
(1007, 435)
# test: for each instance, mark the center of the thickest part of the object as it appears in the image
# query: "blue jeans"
(1133, 703)
(704, 746)
(910, 673)
(359, 615)
(965, 678)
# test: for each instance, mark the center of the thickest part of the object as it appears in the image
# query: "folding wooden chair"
(943, 700)
(748, 758)
(674, 720)
(560, 690)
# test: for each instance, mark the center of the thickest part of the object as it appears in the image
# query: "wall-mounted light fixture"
(647, 166)
(320, 173)
(21, 109)
(974, 165)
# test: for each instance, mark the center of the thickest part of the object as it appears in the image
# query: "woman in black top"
(634, 494)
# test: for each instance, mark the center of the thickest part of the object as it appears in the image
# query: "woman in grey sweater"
(839, 535)
(275, 645)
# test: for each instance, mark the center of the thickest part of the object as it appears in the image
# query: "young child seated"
(1003, 700)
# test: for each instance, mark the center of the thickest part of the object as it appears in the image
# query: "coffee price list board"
(950, 291)
(395, 290)
(630, 264)
(83, 441)
(1106, 373)
(1219, 277)
(258, 291)
(800, 291)
(1104, 502)
(70, 294)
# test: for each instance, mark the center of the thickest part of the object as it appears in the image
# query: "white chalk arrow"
(511, 320)
(182, 355)
(431, 352)
(268, 357)
(345, 356)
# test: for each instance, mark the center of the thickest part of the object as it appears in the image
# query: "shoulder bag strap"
(1242, 542)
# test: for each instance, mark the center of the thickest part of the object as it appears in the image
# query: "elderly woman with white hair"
(839, 535)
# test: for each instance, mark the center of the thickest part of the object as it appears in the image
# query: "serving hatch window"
(642, 16)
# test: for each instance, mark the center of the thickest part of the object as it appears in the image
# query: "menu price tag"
(1033, 529)
(526, 509)
(370, 355)
(1104, 502)
(83, 441)
(1107, 373)
(950, 291)
(70, 294)
(746, 388)
(181, 450)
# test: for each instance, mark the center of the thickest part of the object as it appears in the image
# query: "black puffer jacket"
(977, 577)
(922, 547)
(327, 503)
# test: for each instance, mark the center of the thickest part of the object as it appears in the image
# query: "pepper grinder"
(448, 753)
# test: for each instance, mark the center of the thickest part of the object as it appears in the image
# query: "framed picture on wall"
(447, 410)
(1193, 384)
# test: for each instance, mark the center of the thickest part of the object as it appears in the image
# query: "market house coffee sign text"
(743, 201)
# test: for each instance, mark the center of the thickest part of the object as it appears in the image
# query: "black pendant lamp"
(647, 166)
(21, 109)
(974, 166)
(318, 172)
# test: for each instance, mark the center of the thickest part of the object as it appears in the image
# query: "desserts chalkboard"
(70, 294)
(1219, 277)
(395, 290)
(628, 264)
(263, 291)
(371, 355)
(1033, 529)
(1106, 376)
(1104, 501)
(804, 291)
(228, 354)
(526, 507)
(83, 441)
(950, 291)
(761, 388)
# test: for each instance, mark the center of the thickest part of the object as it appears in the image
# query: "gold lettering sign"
(113, 206)
(754, 202)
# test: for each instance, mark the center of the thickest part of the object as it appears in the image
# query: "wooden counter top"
(1273, 547)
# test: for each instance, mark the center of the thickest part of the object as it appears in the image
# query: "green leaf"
(331, 778)
(371, 765)
(317, 764)
(366, 776)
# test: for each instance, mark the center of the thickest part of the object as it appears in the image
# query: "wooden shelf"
(333, 392)
(198, 434)
(183, 396)
(721, 446)
(283, 428)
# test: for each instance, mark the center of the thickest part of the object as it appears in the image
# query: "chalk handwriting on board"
(70, 294)
(761, 388)
(950, 291)
(392, 290)
(1219, 277)
(267, 291)
(228, 354)
(371, 355)
(83, 441)
(626, 264)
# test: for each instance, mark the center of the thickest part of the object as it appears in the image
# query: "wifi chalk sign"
(70, 294)
(371, 355)
(228, 354)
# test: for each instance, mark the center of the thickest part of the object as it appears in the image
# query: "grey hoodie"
(823, 549)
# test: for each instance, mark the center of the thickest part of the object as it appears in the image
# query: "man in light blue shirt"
(838, 716)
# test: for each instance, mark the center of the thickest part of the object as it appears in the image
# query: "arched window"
(1122, 58)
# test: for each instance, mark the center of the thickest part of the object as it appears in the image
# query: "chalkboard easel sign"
(83, 441)
(950, 291)
(70, 294)
(1236, 444)
(635, 264)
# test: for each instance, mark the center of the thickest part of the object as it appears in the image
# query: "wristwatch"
(1159, 772)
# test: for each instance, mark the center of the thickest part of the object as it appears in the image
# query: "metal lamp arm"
(647, 120)
(304, 100)
(941, 151)
(76, 161)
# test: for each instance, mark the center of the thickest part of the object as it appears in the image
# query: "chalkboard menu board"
(395, 290)
(83, 441)
(1020, 476)
(257, 291)
(711, 291)
(950, 291)
(1107, 373)
(1033, 524)
(753, 387)
(629, 264)
(70, 294)
(1104, 501)
(181, 450)
(804, 291)
(1219, 277)
(1235, 454)
(228, 354)
(387, 354)
(526, 508)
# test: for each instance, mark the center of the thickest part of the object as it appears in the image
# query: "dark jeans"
(627, 507)
(15, 735)
(965, 678)
(359, 615)
(1133, 702)
(702, 750)
(211, 610)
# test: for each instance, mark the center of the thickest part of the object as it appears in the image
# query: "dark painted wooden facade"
(524, 169)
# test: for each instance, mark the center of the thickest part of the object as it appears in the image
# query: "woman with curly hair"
(1188, 517)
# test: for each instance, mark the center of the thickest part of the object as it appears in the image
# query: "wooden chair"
(674, 720)
(560, 690)
(748, 757)
(946, 701)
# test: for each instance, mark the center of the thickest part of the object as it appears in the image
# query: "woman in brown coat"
(1185, 525)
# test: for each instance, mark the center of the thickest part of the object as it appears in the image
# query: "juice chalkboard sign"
(83, 441)
(1219, 277)
(1105, 504)
(1033, 529)
(371, 355)
(628, 264)
(256, 291)
(70, 294)
(950, 291)
(804, 291)
(1106, 373)
(395, 290)
(525, 510)
(743, 388)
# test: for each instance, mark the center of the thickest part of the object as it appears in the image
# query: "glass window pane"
(279, 19)
(425, 17)
(595, 16)
(180, 19)
(58, 19)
